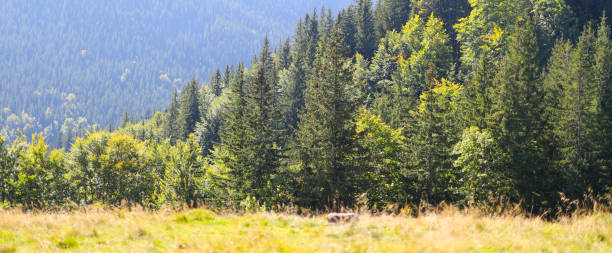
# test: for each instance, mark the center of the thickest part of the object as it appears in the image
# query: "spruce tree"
(379, 19)
(125, 119)
(366, 37)
(325, 138)
(396, 14)
(576, 123)
(282, 55)
(326, 23)
(236, 136)
(227, 76)
(170, 125)
(264, 122)
(602, 177)
(189, 111)
(477, 101)
(216, 83)
(518, 116)
(433, 131)
(346, 23)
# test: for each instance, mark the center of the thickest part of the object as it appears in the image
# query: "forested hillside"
(69, 64)
(393, 105)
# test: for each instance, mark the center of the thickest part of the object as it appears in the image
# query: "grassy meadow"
(204, 231)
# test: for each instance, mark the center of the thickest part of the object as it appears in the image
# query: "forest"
(72, 66)
(388, 105)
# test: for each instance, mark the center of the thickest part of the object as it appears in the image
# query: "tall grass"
(444, 229)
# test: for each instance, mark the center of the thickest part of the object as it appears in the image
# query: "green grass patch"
(205, 231)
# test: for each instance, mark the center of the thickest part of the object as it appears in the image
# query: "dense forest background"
(69, 65)
(391, 105)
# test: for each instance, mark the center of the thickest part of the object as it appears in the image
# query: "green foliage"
(189, 111)
(325, 138)
(40, 178)
(381, 159)
(397, 73)
(576, 89)
(518, 118)
(6, 172)
(481, 161)
(365, 38)
(112, 167)
(187, 173)
(391, 15)
(488, 27)
(171, 128)
(250, 137)
(288, 130)
(432, 133)
(422, 45)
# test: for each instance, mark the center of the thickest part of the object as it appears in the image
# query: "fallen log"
(342, 217)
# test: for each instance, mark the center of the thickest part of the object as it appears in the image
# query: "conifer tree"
(601, 178)
(396, 13)
(170, 126)
(576, 119)
(477, 100)
(325, 138)
(326, 23)
(293, 82)
(189, 111)
(365, 37)
(216, 83)
(379, 19)
(432, 133)
(125, 119)
(6, 172)
(264, 122)
(346, 23)
(227, 76)
(282, 55)
(519, 117)
(235, 135)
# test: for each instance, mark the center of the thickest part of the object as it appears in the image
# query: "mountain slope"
(76, 63)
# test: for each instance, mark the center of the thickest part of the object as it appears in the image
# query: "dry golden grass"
(203, 231)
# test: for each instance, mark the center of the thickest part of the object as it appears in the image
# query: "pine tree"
(325, 137)
(312, 38)
(293, 82)
(189, 111)
(170, 126)
(366, 37)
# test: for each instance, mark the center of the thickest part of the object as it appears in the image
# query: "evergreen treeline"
(396, 103)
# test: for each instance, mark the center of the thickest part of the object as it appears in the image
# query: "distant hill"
(73, 63)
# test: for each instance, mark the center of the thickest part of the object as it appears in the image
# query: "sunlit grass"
(205, 231)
